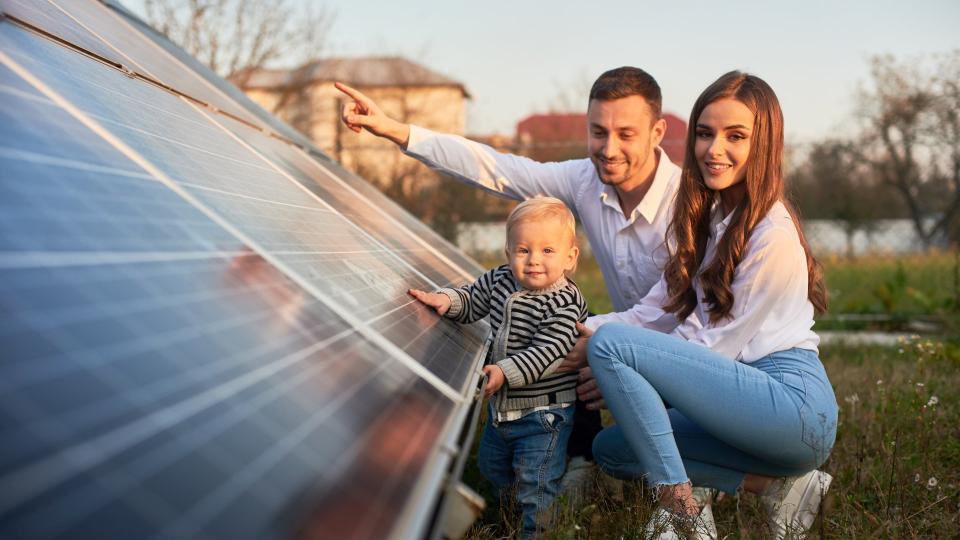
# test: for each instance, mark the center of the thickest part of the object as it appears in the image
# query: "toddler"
(533, 310)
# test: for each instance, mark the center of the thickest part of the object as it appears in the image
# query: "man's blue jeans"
(528, 455)
(775, 417)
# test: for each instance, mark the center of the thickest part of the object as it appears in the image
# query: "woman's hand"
(363, 113)
(577, 357)
(588, 391)
(439, 302)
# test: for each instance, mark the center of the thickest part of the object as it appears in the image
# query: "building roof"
(554, 127)
(674, 142)
(361, 72)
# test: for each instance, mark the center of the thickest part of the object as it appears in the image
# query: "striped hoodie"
(533, 330)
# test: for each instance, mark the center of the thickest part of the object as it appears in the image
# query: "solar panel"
(203, 71)
(204, 328)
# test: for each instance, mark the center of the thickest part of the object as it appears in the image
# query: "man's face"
(622, 135)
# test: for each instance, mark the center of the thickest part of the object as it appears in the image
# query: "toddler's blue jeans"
(528, 455)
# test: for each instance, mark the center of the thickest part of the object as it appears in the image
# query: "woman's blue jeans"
(775, 417)
(527, 458)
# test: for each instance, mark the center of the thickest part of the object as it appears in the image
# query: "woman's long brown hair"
(690, 225)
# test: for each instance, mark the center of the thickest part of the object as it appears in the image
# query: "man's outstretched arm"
(508, 175)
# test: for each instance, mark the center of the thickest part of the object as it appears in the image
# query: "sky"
(521, 57)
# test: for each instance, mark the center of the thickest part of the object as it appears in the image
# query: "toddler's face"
(540, 251)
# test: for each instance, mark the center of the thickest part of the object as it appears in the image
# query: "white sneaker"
(793, 505)
(705, 527)
(665, 525)
(661, 526)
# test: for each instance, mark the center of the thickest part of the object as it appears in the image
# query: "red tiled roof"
(567, 127)
(675, 139)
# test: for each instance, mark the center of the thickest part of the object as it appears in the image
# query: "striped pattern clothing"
(533, 330)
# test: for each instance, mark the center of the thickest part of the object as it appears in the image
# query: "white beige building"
(306, 99)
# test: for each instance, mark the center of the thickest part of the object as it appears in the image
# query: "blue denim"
(776, 416)
(528, 455)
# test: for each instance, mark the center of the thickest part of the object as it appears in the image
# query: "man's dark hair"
(625, 82)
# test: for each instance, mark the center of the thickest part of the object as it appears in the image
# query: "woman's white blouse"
(771, 311)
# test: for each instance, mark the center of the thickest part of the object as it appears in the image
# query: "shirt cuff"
(456, 306)
(417, 135)
(596, 322)
(511, 372)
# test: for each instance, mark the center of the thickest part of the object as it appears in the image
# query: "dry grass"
(896, 462)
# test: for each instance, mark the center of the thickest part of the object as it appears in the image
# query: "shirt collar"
(718, 221)
(556, 286)
(651, 202)
(608, 196)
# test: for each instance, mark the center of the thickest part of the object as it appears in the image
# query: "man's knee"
(606, 449)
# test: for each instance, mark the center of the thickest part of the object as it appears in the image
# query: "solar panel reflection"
(348, 202)
(261, 200)
(223, 175)
(203, 71)
(46, 16)
(151, 58)
(159, 375)
(113, 208)
(442, 346)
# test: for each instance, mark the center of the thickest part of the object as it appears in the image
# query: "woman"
(725, 336)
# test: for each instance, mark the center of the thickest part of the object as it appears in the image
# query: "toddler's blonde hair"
(541, 207)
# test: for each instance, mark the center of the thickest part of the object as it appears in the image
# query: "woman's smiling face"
(722, 148)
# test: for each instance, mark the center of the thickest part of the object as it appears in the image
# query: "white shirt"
(630, 250)
(771, 311)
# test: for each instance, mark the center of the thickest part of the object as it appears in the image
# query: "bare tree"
(834, 183)
(912, 139)
(572, 96)
(237, 37)
(944, 136)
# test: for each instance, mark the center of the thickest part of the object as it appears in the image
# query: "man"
(622, 196)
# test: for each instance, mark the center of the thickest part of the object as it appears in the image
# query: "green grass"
(914, 285)
(896, 462)
(916, 293)
(898, 291)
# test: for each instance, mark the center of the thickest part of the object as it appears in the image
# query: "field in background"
(894, 292)
(896, 462)
(870, 292)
